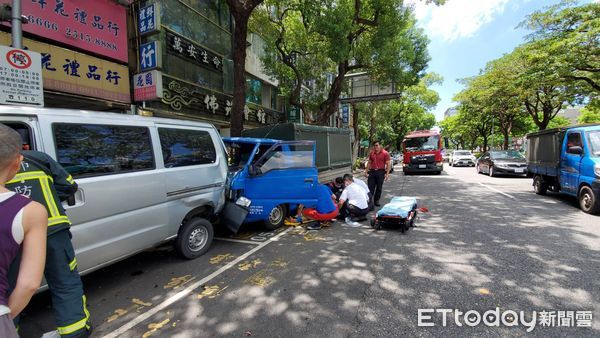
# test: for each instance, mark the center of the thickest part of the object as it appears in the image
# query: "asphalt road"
(485, 243)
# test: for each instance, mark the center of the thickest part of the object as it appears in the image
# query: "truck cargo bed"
(543, 151)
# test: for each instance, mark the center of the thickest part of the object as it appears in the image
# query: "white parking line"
(498, 191)
(185, 292)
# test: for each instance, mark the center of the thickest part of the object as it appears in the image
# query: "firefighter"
(44, 180)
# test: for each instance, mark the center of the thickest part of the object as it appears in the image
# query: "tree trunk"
(329, 106)
(485, 143)
(506, 135)
(372, 127)
(239, 73)
(356, 145)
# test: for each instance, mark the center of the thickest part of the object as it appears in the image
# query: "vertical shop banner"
(98, 26)
(148, 19)
(147, 86)
(345, 114)
(20, 77)
(150, 55)
(65, 70)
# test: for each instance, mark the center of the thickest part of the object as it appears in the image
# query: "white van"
(142, 180)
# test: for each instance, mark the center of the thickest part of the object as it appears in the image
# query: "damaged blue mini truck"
(267, 178)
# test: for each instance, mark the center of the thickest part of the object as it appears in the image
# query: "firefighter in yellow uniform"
(45, 181)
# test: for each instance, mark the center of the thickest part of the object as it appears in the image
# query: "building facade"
(84, 52)
(184, 67)
(168, 58)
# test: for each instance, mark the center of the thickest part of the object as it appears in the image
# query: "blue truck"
(267, 179)
(567, 160)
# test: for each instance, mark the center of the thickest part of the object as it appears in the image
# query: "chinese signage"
(190, 99)
(345, 114)
(99, 26)
(149, 55)
(191, 51)
(148, 19)
(147, 86)
(68, 71)
(20, 77)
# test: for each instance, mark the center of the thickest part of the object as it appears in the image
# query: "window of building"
(253, 91)
(186, 147)
(187, 22)
(92, 149)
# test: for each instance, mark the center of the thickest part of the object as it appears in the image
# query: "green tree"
(589, 116)
(568, 37)
(339, 37)
(294, 50)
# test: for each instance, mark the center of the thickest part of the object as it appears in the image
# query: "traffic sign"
(21, 77)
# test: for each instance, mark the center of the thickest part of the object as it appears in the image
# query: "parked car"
(509, 162)
(142, 180)
(461, 157)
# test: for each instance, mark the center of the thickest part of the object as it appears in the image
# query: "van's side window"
(185, 147)
(91, 150)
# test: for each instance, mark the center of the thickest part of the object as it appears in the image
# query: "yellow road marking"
(153, 327)
(178, 281)
(247, 265)
(220, 258)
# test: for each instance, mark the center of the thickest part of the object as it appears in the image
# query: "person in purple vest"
(22, 227)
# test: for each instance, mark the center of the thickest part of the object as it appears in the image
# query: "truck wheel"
(276, 217)
(588, 202)
(194, 238)
(539, 186)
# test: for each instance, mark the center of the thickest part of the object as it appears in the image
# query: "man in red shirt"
(378, 170)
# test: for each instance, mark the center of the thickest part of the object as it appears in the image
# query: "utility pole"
(17, 32)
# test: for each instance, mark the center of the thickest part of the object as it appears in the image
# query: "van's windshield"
(594, 137)
(238, 154)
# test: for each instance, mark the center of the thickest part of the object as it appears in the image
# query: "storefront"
(184, 67)
(84, 52)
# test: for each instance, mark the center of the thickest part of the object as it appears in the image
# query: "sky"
(466, 34)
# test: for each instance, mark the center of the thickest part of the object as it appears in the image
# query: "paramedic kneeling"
(354, 201)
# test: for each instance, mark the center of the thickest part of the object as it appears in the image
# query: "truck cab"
(422, 152)
(268, 178)
(567, 160)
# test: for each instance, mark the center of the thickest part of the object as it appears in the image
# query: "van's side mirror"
(577, 150)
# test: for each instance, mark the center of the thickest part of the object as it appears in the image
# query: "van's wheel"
(588, 202)
(539, 186)
(276, 217)
(194, 238)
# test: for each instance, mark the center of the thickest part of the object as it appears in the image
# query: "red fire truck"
(423, 152)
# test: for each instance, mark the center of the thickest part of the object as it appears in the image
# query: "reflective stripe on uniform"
(70, 179)
(58, 220)
(87, 313)
(73, 264)
(54, 216)
(30, 175)
(49, 198)
(82, 324)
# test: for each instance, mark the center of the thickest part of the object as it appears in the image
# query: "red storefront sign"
(98, 26)
(147, 86)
